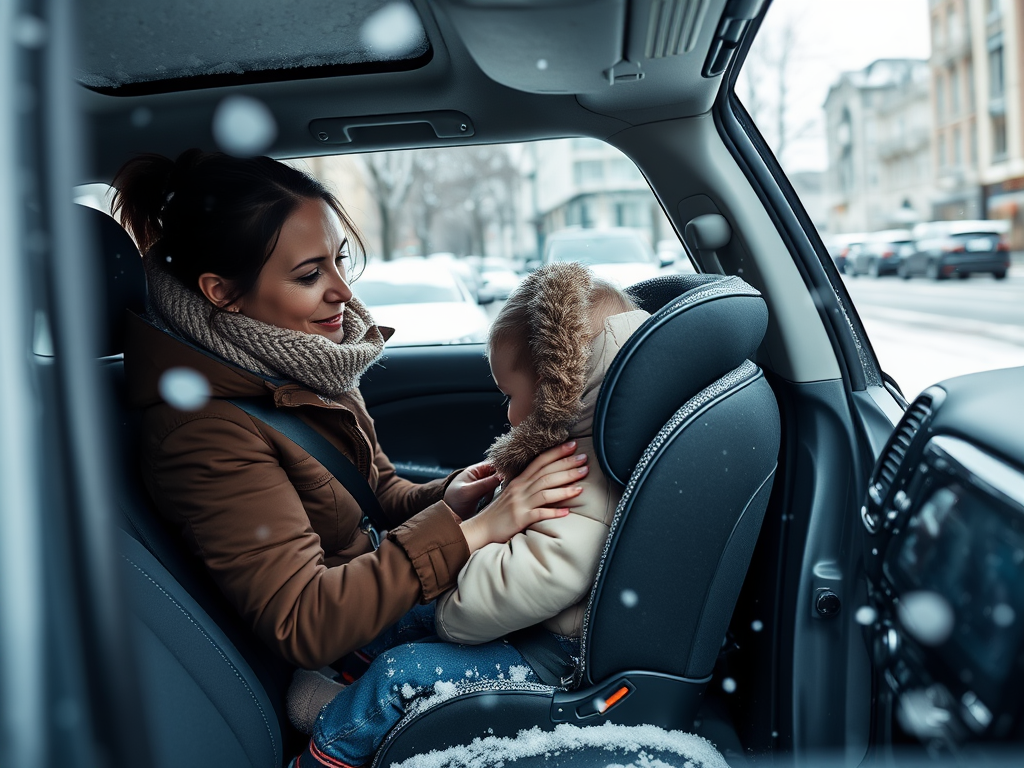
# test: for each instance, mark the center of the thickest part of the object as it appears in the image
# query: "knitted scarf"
(326, 367)
(558, 327)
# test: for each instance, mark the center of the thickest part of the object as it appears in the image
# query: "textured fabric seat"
(689, 426)
(213, 694)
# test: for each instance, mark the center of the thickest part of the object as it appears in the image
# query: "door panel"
(435, 408)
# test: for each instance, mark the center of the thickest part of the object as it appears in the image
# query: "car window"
(376, 292)
(598, 250)
(895, 115)
(451, 232)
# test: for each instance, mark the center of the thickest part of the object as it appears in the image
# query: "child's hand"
(469, 486)
(548, 481)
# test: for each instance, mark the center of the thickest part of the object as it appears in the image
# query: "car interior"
(810, 498)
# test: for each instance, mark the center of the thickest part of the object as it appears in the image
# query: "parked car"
(617, 254)
(498, 277)
(879, 253)
(943, 249)
(424, 303)
(840, 247)
(881, 524)
(461, 267)
(672, 255)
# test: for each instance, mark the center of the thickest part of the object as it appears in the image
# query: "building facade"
(877, 123)
(587, 183)
(977, 62)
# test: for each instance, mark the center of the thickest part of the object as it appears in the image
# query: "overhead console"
(944, 556)
(612, 54)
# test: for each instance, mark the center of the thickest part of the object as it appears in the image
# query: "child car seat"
(689, 426)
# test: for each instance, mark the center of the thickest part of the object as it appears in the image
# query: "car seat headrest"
(651, 295)
(688, 343)
(123, 274)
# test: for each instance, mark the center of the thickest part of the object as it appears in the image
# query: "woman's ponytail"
(142, 187)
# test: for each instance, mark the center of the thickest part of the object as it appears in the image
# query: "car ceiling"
(507, 70)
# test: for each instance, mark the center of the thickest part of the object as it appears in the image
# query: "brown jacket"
(277, 532)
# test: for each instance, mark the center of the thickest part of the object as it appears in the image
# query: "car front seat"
(212, 693)
(690, 427)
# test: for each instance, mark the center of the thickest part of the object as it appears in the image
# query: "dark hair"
(210, 212)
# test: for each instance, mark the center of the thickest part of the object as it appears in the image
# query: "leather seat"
(689, 426)
(212, 693)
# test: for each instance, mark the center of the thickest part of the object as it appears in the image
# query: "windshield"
(598, 250)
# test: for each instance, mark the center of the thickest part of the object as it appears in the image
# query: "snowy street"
(925, 331)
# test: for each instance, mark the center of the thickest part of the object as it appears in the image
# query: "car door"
(832, 705)
(435, 408)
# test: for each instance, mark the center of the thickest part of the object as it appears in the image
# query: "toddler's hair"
(510, 329)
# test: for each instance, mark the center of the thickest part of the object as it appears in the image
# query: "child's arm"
(536, 575)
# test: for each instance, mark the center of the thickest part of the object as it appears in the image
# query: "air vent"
(899, 445)
(674, 27)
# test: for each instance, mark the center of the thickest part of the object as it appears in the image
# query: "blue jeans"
(410, 662)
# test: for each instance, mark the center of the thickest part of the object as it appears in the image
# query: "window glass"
(910, 124)
(128, 44)
(451, 232)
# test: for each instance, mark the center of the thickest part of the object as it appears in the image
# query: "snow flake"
(518, 673)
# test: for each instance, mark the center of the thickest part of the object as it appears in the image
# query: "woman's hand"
(469, 486)
(535, 495)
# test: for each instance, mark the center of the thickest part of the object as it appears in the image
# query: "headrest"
(686, 345)
(651, 295)
(123, 274)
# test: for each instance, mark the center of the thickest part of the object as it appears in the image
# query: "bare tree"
(765, 90)
(391, 176)
(458, 194)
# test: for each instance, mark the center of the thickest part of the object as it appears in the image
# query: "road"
(925, 331)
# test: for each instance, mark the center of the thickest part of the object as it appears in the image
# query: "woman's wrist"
(474, 533)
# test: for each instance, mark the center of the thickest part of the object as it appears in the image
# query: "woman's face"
(302, 286)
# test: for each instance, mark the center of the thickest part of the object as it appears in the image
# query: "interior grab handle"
(446, 123)
(705, 236)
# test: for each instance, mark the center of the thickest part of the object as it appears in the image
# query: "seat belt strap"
(544, 653)
(321, 449)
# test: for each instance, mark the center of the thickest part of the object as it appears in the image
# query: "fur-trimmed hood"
(570, 372)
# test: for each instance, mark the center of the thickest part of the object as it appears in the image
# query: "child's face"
(519, 386)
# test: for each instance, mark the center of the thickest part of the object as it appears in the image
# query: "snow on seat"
(643, 746)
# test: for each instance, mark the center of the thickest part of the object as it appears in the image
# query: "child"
(549, 349)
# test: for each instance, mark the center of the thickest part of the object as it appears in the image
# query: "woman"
(247, 264)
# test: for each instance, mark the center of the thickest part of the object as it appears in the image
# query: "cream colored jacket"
(545, 573)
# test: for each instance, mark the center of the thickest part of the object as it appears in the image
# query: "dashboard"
(944, 559)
